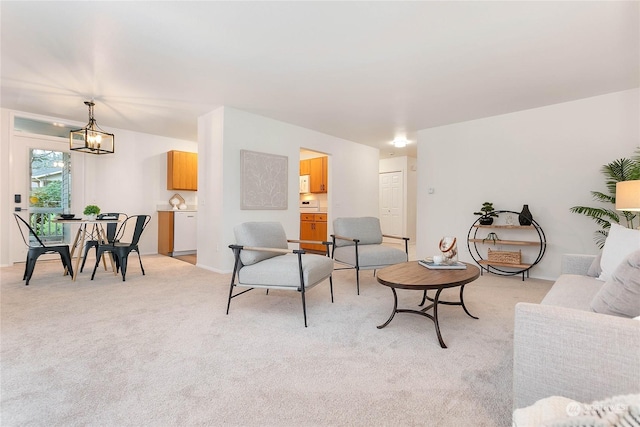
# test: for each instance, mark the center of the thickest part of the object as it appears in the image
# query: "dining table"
(88, 229)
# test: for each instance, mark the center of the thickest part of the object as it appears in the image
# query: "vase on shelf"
(525, 217)
(486, 220)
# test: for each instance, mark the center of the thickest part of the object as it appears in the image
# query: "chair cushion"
(283, 271)
(262, 234)
(366, 229)
(370, 256)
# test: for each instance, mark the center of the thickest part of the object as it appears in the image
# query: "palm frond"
(600, 237)
(635, 173)
(604, 198)
(596, 213)
(614, 172)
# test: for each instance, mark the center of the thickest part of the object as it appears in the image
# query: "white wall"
(548, 158)
(408, 167)
(132, 180)
(352, 169)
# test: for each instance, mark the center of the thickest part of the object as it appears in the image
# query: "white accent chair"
(263, 260)
(357, 242)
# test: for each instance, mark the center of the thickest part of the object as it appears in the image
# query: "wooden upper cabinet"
(318, 172)
(182, 170)
(305, 167)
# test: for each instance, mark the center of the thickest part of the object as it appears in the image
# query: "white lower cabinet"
(185, 231)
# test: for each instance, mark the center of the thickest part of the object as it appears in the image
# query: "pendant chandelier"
(91, 139)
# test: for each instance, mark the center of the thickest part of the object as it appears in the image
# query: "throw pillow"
(557, 411)
(594, 269)
(618, 411)
(620, 295)
(620, 242)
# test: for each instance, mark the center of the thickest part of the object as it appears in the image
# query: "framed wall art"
(264, 181)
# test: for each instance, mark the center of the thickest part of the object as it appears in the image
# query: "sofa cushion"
(573, 291)
(261, 234)
(370, 257)
(620, 295)
(365, 229)
(621, 241)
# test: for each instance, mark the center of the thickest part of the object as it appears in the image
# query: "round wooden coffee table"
(411, 275)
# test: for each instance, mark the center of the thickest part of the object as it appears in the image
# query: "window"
(50, 192)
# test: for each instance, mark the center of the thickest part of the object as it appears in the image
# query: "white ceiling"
(362, 71)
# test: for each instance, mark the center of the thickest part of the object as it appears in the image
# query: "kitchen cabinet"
(318, 174)
(177, 232)
(313, 226)
(182, 170)
(305, 167)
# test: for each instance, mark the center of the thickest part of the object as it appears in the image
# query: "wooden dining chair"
(37, 248)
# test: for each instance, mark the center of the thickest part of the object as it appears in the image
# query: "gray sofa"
(562, 348)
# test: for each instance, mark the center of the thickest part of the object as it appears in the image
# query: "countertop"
(167, 208)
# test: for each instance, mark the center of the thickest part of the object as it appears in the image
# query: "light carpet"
(158, 350)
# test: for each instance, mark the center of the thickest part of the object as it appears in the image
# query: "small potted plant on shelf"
(91, 211)
(487, 213)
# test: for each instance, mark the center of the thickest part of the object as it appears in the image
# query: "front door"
(42, 181)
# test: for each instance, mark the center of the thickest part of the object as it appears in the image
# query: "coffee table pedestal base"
(423, 312)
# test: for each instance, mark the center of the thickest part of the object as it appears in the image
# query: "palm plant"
(614, 172)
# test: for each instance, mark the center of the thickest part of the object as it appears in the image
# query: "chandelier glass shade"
(91, 139)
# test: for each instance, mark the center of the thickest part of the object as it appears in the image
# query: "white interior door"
(391, 203)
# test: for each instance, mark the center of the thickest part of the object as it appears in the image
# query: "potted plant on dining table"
(91, 212)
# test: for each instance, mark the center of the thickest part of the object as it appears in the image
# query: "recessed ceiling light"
(400, 142)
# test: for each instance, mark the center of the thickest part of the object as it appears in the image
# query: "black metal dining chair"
(112, 228)
(121, 250)
(37, 248)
